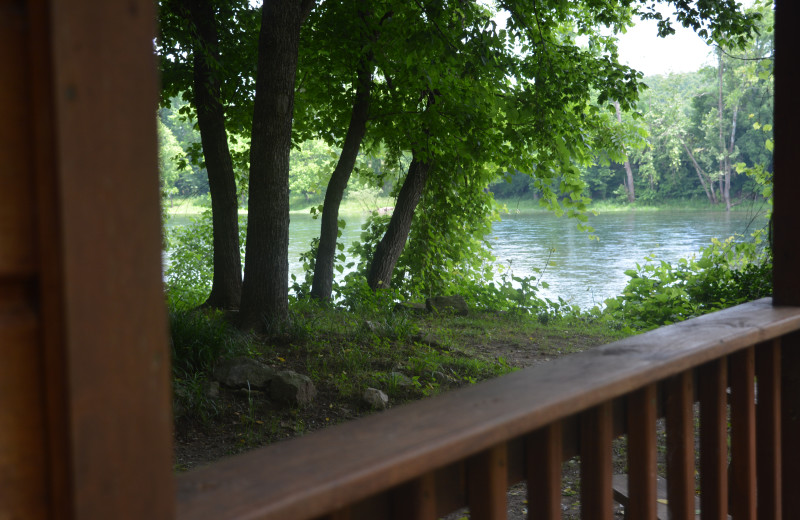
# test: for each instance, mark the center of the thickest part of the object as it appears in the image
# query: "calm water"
(586, 272)
(580, 270)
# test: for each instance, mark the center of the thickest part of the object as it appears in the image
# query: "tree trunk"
(226, 287)
(627, 164)
(322, 284)
(725, 179)
(265, 289)
(729, 156)
(394, 240)
(710, 194)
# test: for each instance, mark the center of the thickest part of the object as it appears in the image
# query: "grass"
(407, 356)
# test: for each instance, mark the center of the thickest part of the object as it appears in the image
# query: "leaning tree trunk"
(226, 286)
(265, 289)
(391, 245)
(725, 179)
(627, 164)
(701, 175)
(322, 284)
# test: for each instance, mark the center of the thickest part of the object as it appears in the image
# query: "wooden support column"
(85, 419)
(24, 472)
(786, 218)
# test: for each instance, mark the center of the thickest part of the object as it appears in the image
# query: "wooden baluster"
(768, 430)
(417, 499)
(743, 435)
(487, 484)
(790, 425)
(545, 452)
(680, 446)
(642, 454)
(596, 491)
(713, 440)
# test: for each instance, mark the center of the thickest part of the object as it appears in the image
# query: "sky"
(642, 49)
(683, 51)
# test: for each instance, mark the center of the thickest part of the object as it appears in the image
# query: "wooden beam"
(85, 419)
(24, 470)
(786, 218)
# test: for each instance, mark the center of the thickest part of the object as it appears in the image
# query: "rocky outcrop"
(243, 372)
(285, 387)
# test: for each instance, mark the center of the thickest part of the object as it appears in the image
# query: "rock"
(211, 389)
(375, 398)
(291, 388)
(241, 371)
(415, 308)
(455, 304)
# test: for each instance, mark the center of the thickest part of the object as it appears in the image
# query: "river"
(581, 270)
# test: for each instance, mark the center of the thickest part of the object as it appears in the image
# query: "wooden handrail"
(416, 445)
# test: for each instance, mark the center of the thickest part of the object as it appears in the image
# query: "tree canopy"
(464, 92)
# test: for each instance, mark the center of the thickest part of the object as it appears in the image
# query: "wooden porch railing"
(467, 447)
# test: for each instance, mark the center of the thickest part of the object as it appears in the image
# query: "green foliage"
(198, 338)
(727, 273)
(310, 166)
(190, 255)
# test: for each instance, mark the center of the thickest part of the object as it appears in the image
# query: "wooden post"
(790, 424)
(786, 247)
(84, 383)
(786, 218)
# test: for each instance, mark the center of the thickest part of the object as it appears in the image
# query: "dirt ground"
(245, 420)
